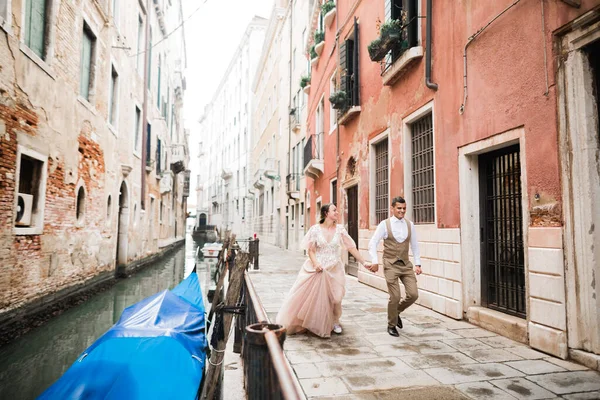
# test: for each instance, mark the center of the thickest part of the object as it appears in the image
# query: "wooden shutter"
(86, 61)
(344, 66)
(355, 68)
(412, 13)
(35, 25)
(148, 143)
(158, 154)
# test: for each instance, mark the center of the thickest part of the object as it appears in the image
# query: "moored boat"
(156, 350)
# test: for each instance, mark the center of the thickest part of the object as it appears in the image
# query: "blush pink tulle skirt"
(314, 303)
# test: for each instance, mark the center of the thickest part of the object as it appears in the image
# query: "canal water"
(30, 364)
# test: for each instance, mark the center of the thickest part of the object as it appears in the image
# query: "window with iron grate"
(381, 181)
(423, 185)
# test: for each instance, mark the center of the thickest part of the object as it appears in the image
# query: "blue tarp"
(155, 351)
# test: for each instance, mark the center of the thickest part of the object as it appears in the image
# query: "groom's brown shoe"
(392, 331)
(399, 324)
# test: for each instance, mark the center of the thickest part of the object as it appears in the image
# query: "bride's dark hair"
(324, 211)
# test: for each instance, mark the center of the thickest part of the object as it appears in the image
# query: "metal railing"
(313, 149)
(267, 373)
(292, 182)
(408, 39)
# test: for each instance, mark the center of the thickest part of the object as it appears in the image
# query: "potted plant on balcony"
(319, 41)
(391, 31)
(339, 100)
(376, 51)
(305, 83)
(328, 10)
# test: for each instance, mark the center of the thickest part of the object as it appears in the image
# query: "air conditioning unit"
(24, 206)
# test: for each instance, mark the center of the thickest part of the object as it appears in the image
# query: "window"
(148, 145)
(114, 96)
(149, 55)
(35, 26)
(334, 191)
(332, 111)
(160, 212)
(158, 157)
(80, 205)
(349, 66)
(158, 82)
(137, 128)
(140, 35)
(423, 186)
(31, 191)
(381, 181)
(405, 11)
(88, 52)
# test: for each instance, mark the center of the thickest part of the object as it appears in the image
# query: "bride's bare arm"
(354, 251)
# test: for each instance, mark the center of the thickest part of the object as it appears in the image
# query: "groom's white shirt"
(400, 232)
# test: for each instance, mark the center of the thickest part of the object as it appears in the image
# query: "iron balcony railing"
(313, 149)
(408, 39)
(293, 182)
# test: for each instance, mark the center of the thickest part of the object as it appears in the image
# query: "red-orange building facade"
(486, 151)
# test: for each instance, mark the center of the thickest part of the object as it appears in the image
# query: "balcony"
(295, 119)
(259, 182)
(314, 165)
(226, 174)
(293, 185)
(271, 167)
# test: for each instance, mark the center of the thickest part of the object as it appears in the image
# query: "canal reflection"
(33, 362)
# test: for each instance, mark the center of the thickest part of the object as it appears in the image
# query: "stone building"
(92, 148)
(225, 135)
(485, 118)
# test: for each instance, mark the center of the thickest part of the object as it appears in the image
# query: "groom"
(397, 233)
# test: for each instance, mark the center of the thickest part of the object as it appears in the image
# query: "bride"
(314, 303)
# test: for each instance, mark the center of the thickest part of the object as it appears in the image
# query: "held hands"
(418, 270)
(371, 267)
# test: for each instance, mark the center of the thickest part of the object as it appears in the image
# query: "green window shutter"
(86, 63)
(158, 153)
(35, 25)
(344, 66)
(148, 144)
(355, 67)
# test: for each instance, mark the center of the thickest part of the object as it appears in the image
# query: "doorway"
(501, 236)
(352, 192)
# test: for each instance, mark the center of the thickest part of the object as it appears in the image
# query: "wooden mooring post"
(231, 299)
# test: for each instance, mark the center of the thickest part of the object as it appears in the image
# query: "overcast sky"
(212, 36)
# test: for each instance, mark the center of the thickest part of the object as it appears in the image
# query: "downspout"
(428, 82)
(289, 159)
(145, 108)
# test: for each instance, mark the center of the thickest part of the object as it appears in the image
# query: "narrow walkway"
(435, 357)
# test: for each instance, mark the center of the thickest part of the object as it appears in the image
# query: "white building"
(224, 137)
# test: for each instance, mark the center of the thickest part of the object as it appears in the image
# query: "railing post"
(240, 320)
(256, 251)
(261, 379)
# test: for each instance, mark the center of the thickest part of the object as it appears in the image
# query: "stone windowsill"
(37, 60)
(87, 105)
(399, 66)
(351, 113)
(34, 230)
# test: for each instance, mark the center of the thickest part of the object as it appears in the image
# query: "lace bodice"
(327, 253)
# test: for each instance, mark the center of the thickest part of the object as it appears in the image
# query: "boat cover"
(155, 351)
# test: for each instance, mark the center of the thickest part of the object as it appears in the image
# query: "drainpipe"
(287, 202)
(428, 82)
(145, 107)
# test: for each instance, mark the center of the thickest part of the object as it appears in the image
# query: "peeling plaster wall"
(41, 110)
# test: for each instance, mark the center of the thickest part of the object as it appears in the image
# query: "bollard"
(259, 372)
(256, 244)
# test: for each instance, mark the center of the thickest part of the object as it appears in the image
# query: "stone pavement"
(435, 357)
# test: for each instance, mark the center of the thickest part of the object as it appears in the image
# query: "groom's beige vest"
(392, 249)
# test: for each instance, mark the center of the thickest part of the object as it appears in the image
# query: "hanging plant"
(339, 100)
(327, 6)
(304, 80)
(376, 51)
(391, 29)
(319, 37)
